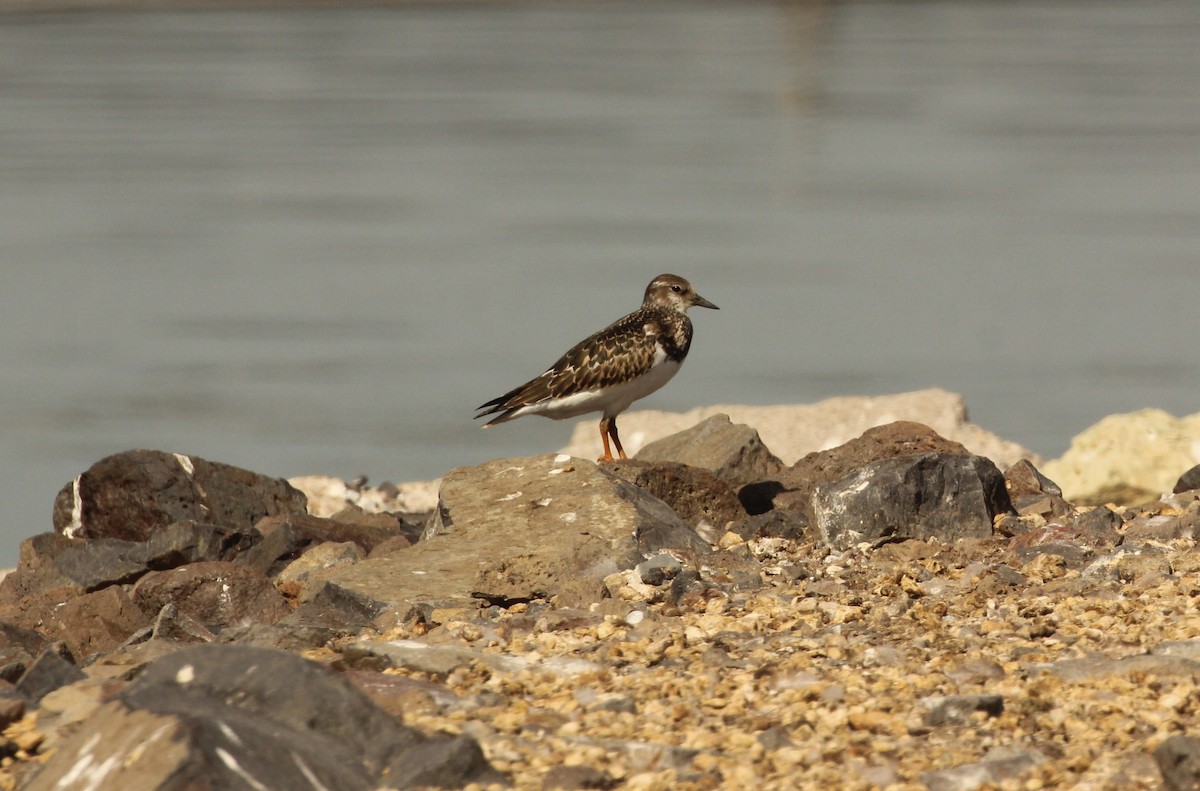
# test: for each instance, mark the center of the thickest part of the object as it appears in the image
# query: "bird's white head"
(672, 291)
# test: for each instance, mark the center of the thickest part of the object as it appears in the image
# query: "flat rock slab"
(518, 529)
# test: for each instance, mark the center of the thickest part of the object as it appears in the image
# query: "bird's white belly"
(610, 400)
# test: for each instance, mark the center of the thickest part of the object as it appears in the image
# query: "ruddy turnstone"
(606, 372)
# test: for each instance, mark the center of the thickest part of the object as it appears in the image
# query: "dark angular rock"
(1188, 481)
(696, 495)
(329, 615)
(902, 438)
(1099, 528)
(942, 495)
(96, 622)
(217, 594)
(98, 563)
(686, 582)
(281, 707)
(1024, 480)
(732, 452)
(1178, 758)
(18, 647)
(131, 495)
(180, 543)
(54, 668)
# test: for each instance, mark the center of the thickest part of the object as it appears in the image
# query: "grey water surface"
(312, 241)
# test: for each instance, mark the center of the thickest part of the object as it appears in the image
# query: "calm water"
(313, 241)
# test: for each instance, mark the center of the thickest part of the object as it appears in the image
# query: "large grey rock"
(882, 442)
(130, 495)
(518, 529)
(733, 452)
(232, 717)
(929, 495)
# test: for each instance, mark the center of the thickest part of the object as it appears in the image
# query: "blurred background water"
(312, 241)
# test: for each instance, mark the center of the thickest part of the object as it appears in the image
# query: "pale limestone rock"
(792, 430)
(1145, 450)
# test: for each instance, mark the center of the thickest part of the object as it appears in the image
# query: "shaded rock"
(285, 538)
(696, 495)
(180, 543)
(131, 495)
(172, 625)
(98, 563)
(53, 561)
(923, 496)
(1127, 458)
(793, 430)
(1178, 759)
(733, 453)
(96, 622)
(780, 523)
(521, 529)
(1188, 481)
(217, 594)
(883, 442)
(36, 571)
(217, 717)
(54, 667)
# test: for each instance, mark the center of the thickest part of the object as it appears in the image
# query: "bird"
(610, 369)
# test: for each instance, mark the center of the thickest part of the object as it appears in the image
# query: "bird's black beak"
(701, 302)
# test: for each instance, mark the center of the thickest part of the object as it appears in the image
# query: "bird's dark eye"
(678, 289)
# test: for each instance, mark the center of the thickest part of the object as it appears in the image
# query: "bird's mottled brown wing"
(620, 351)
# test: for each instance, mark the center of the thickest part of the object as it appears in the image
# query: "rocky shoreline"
(889, 606)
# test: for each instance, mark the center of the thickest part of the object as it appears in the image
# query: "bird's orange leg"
(604, 438)
(612, 429)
